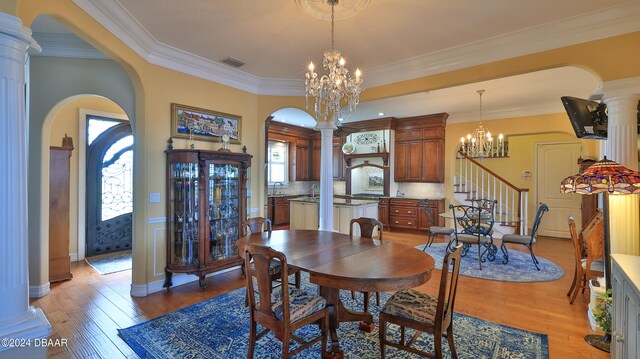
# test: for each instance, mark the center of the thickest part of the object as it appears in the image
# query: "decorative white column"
(621, 98)
(17, 319)
(326, 129)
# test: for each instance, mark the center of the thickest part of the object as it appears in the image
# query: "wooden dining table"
(337, 261)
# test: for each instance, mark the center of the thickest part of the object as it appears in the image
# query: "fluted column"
(326, 129)
(17, 318)
(622, 98)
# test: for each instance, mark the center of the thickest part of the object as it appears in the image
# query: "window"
(278, 163)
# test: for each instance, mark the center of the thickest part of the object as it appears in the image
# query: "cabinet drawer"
(404, 202)
(404, 212)
(403, 222)
(282, 200)
(383, 202)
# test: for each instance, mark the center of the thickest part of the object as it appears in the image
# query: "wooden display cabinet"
(206, 205)
(59, 188)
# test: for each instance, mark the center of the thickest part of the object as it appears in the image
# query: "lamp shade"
(603, 176)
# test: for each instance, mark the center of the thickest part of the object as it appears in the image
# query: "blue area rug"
(219, 328)
(519, 269)
(110, 262)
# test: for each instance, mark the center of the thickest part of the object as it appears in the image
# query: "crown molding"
(617, 88)
(65, 45)
(544, 108)
(611, 22)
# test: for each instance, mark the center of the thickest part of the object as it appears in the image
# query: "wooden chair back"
(257, 225)
(448, 288)
(577, 243)
(367, 227)
(593, 236)
(262, 258)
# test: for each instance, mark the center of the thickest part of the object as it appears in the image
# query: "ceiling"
(390, 40)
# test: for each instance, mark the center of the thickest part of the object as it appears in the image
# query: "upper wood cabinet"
(315, 160)
(419, 149)
(339, 167)
(301, 161)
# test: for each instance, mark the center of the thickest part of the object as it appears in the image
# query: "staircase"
(472, 180)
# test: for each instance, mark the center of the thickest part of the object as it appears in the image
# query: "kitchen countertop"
(336, 201)
(433, 198)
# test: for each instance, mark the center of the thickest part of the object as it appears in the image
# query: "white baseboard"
(39, 291)
(73, 257)
(143, 290)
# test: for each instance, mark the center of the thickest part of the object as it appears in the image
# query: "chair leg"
(252, 339)
(353, 295)
(576, 290)
(533, 256)
(505, 253)
(378, 299)
(452, 345)
(286, 339)
(437, 344)
(479, 262)
(297, 277)
(573, 284)
(324, 328)
(382, 336)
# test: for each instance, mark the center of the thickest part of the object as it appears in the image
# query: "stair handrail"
(493, 173)
(514, 187)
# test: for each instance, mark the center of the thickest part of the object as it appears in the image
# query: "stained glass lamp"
(610, 178)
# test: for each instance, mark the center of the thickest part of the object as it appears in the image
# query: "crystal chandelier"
(480, 142)
(330, 89)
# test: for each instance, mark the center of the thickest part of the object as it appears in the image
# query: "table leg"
(338, 313)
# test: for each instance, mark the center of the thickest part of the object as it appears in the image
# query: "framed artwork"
(376, 180)
(200, 124)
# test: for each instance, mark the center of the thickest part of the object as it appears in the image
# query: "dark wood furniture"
(527, 241)
(339, 167)
(588, 252)
(419, 148)
(286, 318)
(368, 227)
(383, 211)
(258, 224)
(427, 314)
(206, 206)
(407, 214)
(59, 184)
(304, 149)
(335, 261)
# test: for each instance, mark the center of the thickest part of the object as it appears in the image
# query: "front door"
(555, 162)
(109, 189)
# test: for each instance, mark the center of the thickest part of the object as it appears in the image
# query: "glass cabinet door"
(183, 207)
(223, 192)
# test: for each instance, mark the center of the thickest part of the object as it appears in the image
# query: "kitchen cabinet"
(383, 212)
(437, 206)
(342, 215)
(304, 215)
(315, 160)
(625, 330)
(279, 209)
(339, 167)
(403, 213)
(206, 205)
(419, 149)
(301, 161)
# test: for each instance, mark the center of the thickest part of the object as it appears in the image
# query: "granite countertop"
(434, 198)
(336, 201)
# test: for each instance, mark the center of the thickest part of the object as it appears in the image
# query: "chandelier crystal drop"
(330, 89)
(480, 143)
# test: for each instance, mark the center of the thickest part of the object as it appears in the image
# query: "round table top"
(336, 260)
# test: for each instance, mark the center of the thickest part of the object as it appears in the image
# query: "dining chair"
(471, 231)
(282, 310)
(527, 241)
(588, 262)
(433, 229)
(367, 230)
(487, 211)
(261, 224)
(424, 313)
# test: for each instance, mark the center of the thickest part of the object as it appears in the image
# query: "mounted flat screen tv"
(588, 118)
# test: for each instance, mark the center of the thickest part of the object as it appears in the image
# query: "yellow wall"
(157, 87)
(8, 6)
(66, 122)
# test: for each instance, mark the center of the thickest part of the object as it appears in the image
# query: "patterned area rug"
(219, 328)
(110, 262)
(519, 269)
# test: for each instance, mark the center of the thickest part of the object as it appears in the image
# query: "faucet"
(275, 187)
(314, 189)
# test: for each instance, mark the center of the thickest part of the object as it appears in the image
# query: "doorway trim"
(536, 148)
(82, 173)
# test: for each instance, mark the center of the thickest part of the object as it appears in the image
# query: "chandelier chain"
(333, 4)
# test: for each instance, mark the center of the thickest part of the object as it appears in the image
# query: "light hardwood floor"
(89, 309)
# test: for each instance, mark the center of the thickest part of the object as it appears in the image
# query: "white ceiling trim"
(615, 21)
(65, 45)
(520, 111)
